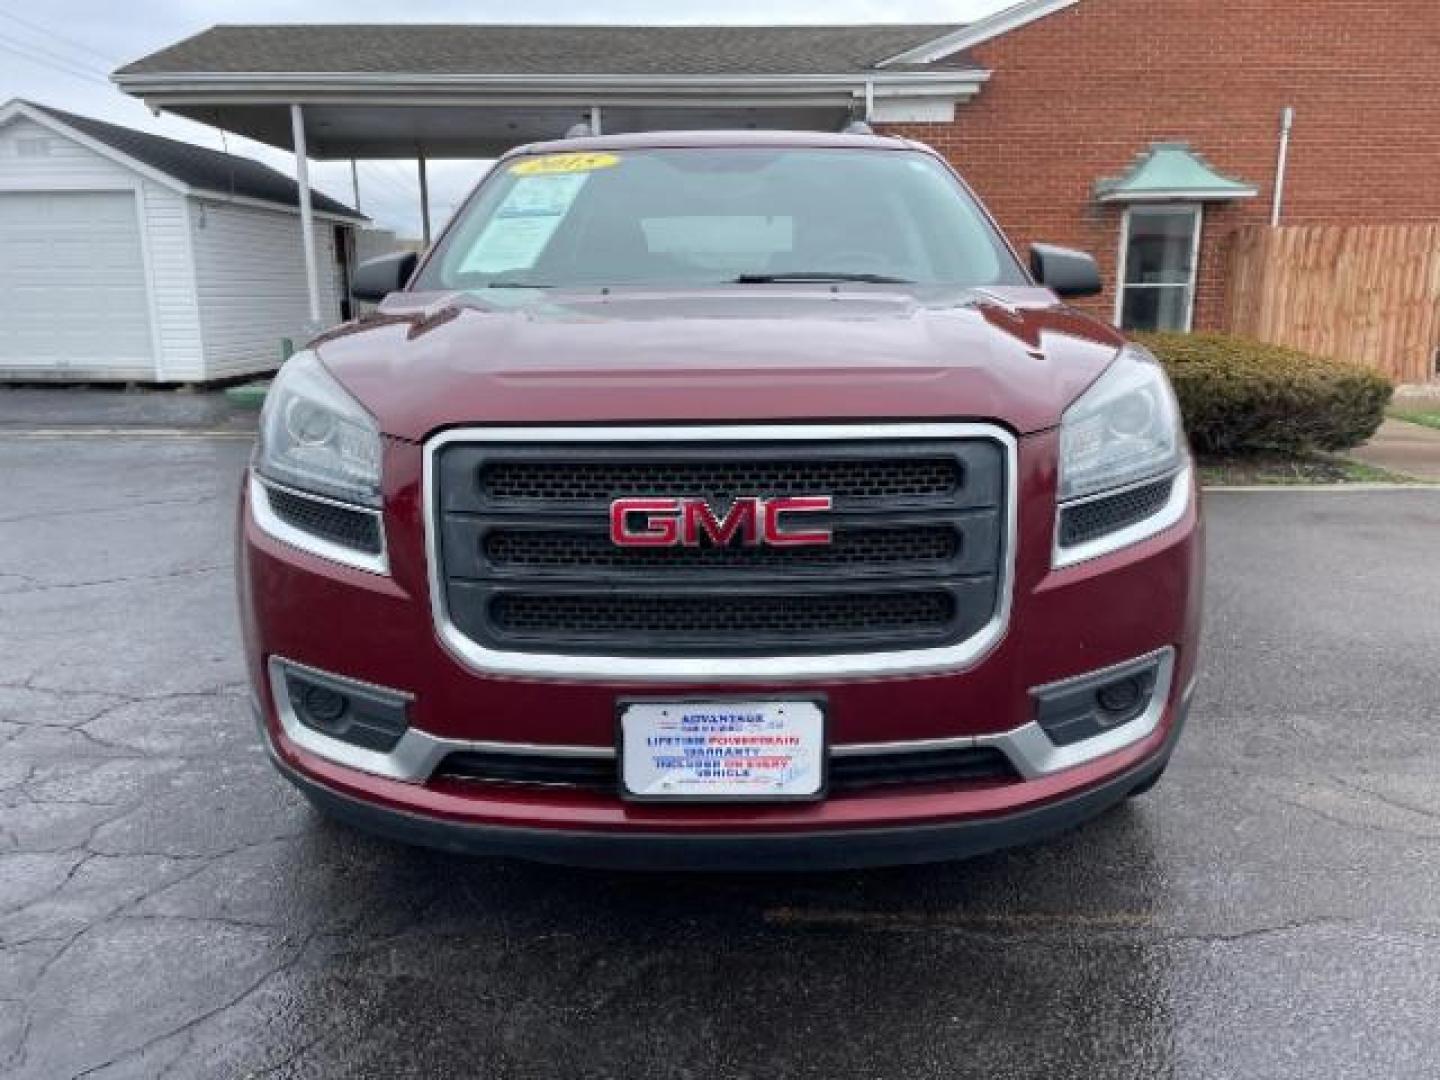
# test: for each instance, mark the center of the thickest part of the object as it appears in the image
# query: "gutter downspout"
(307, 216)
(1287, 123)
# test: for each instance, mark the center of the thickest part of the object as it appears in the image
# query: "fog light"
(1080, 709)
(364, 716)
(1120, 697)
(322, 705)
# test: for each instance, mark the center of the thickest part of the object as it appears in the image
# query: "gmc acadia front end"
(722, 500)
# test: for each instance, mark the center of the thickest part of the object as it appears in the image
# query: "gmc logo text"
(657, 522)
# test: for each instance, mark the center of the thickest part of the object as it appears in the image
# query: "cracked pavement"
(169, 907)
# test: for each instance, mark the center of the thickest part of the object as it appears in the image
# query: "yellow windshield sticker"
(564, 163)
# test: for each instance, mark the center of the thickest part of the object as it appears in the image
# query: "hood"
(427, 361)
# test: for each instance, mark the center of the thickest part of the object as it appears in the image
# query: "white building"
(126, 256)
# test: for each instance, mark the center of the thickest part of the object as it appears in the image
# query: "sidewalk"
(1405, 448)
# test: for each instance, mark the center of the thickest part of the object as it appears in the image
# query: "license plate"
(722, 750)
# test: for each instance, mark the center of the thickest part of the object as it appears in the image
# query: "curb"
(1323, 488)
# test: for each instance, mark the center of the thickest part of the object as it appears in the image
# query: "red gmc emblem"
(656, 522)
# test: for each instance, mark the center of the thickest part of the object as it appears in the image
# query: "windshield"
(713, 216)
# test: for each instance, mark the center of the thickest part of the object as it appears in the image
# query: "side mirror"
(375, 279)
(1065, 271)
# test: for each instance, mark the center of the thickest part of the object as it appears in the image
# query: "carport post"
(307, 218)
(424, 198)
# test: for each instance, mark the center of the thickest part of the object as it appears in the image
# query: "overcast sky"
(61, 53)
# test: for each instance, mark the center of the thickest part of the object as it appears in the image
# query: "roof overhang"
(391, 114)
(14, 109)
(977, 33)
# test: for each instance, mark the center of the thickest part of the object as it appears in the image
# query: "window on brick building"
(1159, 252)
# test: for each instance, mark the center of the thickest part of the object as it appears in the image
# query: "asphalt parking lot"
(169, 907)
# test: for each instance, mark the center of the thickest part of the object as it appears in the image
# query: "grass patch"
(1428, 417)
(1310, 469)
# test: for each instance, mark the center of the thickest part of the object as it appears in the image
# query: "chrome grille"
(524, 563)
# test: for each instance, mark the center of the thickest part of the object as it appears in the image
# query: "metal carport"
(337, 92)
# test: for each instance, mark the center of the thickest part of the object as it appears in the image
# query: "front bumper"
(820, 849)
(378, 629)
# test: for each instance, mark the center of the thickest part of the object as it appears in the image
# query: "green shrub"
(1246, 397)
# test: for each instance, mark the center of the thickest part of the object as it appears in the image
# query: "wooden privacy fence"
(1367, 293)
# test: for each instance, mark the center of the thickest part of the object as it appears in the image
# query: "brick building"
(1144, 131)
(1077, 93)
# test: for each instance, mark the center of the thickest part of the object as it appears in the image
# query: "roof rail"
(857, 127)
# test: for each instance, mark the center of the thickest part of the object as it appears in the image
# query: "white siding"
(250, 275)
(73, 293)
(34, 158)
(172, 285)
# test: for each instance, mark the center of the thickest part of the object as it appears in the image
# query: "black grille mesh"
(353, 529)
(962, 765)
(724, 617)
(967, 765)
(533, 549)
(601, 481)
(1092, 520)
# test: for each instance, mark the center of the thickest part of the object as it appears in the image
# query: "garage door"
(72, 284)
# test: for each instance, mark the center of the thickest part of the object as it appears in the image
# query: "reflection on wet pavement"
(169, 906)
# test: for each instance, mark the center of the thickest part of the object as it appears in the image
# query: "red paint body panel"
(427, 362)
(767, 353)
(379, 630)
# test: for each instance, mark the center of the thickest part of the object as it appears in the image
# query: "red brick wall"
(1077, 95)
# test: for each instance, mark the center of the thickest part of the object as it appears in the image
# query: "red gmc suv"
(721, 500)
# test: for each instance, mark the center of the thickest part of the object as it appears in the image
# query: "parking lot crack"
(297, 954)
(123, 580)
(988, 924)
(1388, 800)
(91, 511)
(1392, 830)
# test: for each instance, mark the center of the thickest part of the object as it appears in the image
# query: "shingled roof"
(545, 50)
(198, 166)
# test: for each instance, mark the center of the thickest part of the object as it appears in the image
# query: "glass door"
(1158, 253)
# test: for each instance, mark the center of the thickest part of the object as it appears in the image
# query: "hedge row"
(1245, 397)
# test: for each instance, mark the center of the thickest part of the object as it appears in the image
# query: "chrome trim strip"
(1164, 518)
(1034, 755)
(915, 746)
(769, 669)
(275, 526)
(417, 754)
(1029, 749)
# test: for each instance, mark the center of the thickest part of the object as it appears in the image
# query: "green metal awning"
(1172, 171)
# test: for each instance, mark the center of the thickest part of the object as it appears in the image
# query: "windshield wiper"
(818, 275)
(516, 285)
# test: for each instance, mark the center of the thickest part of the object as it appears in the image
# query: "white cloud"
(62, 54)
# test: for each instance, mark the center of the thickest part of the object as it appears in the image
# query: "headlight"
(316, 437)
(1124, 429)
